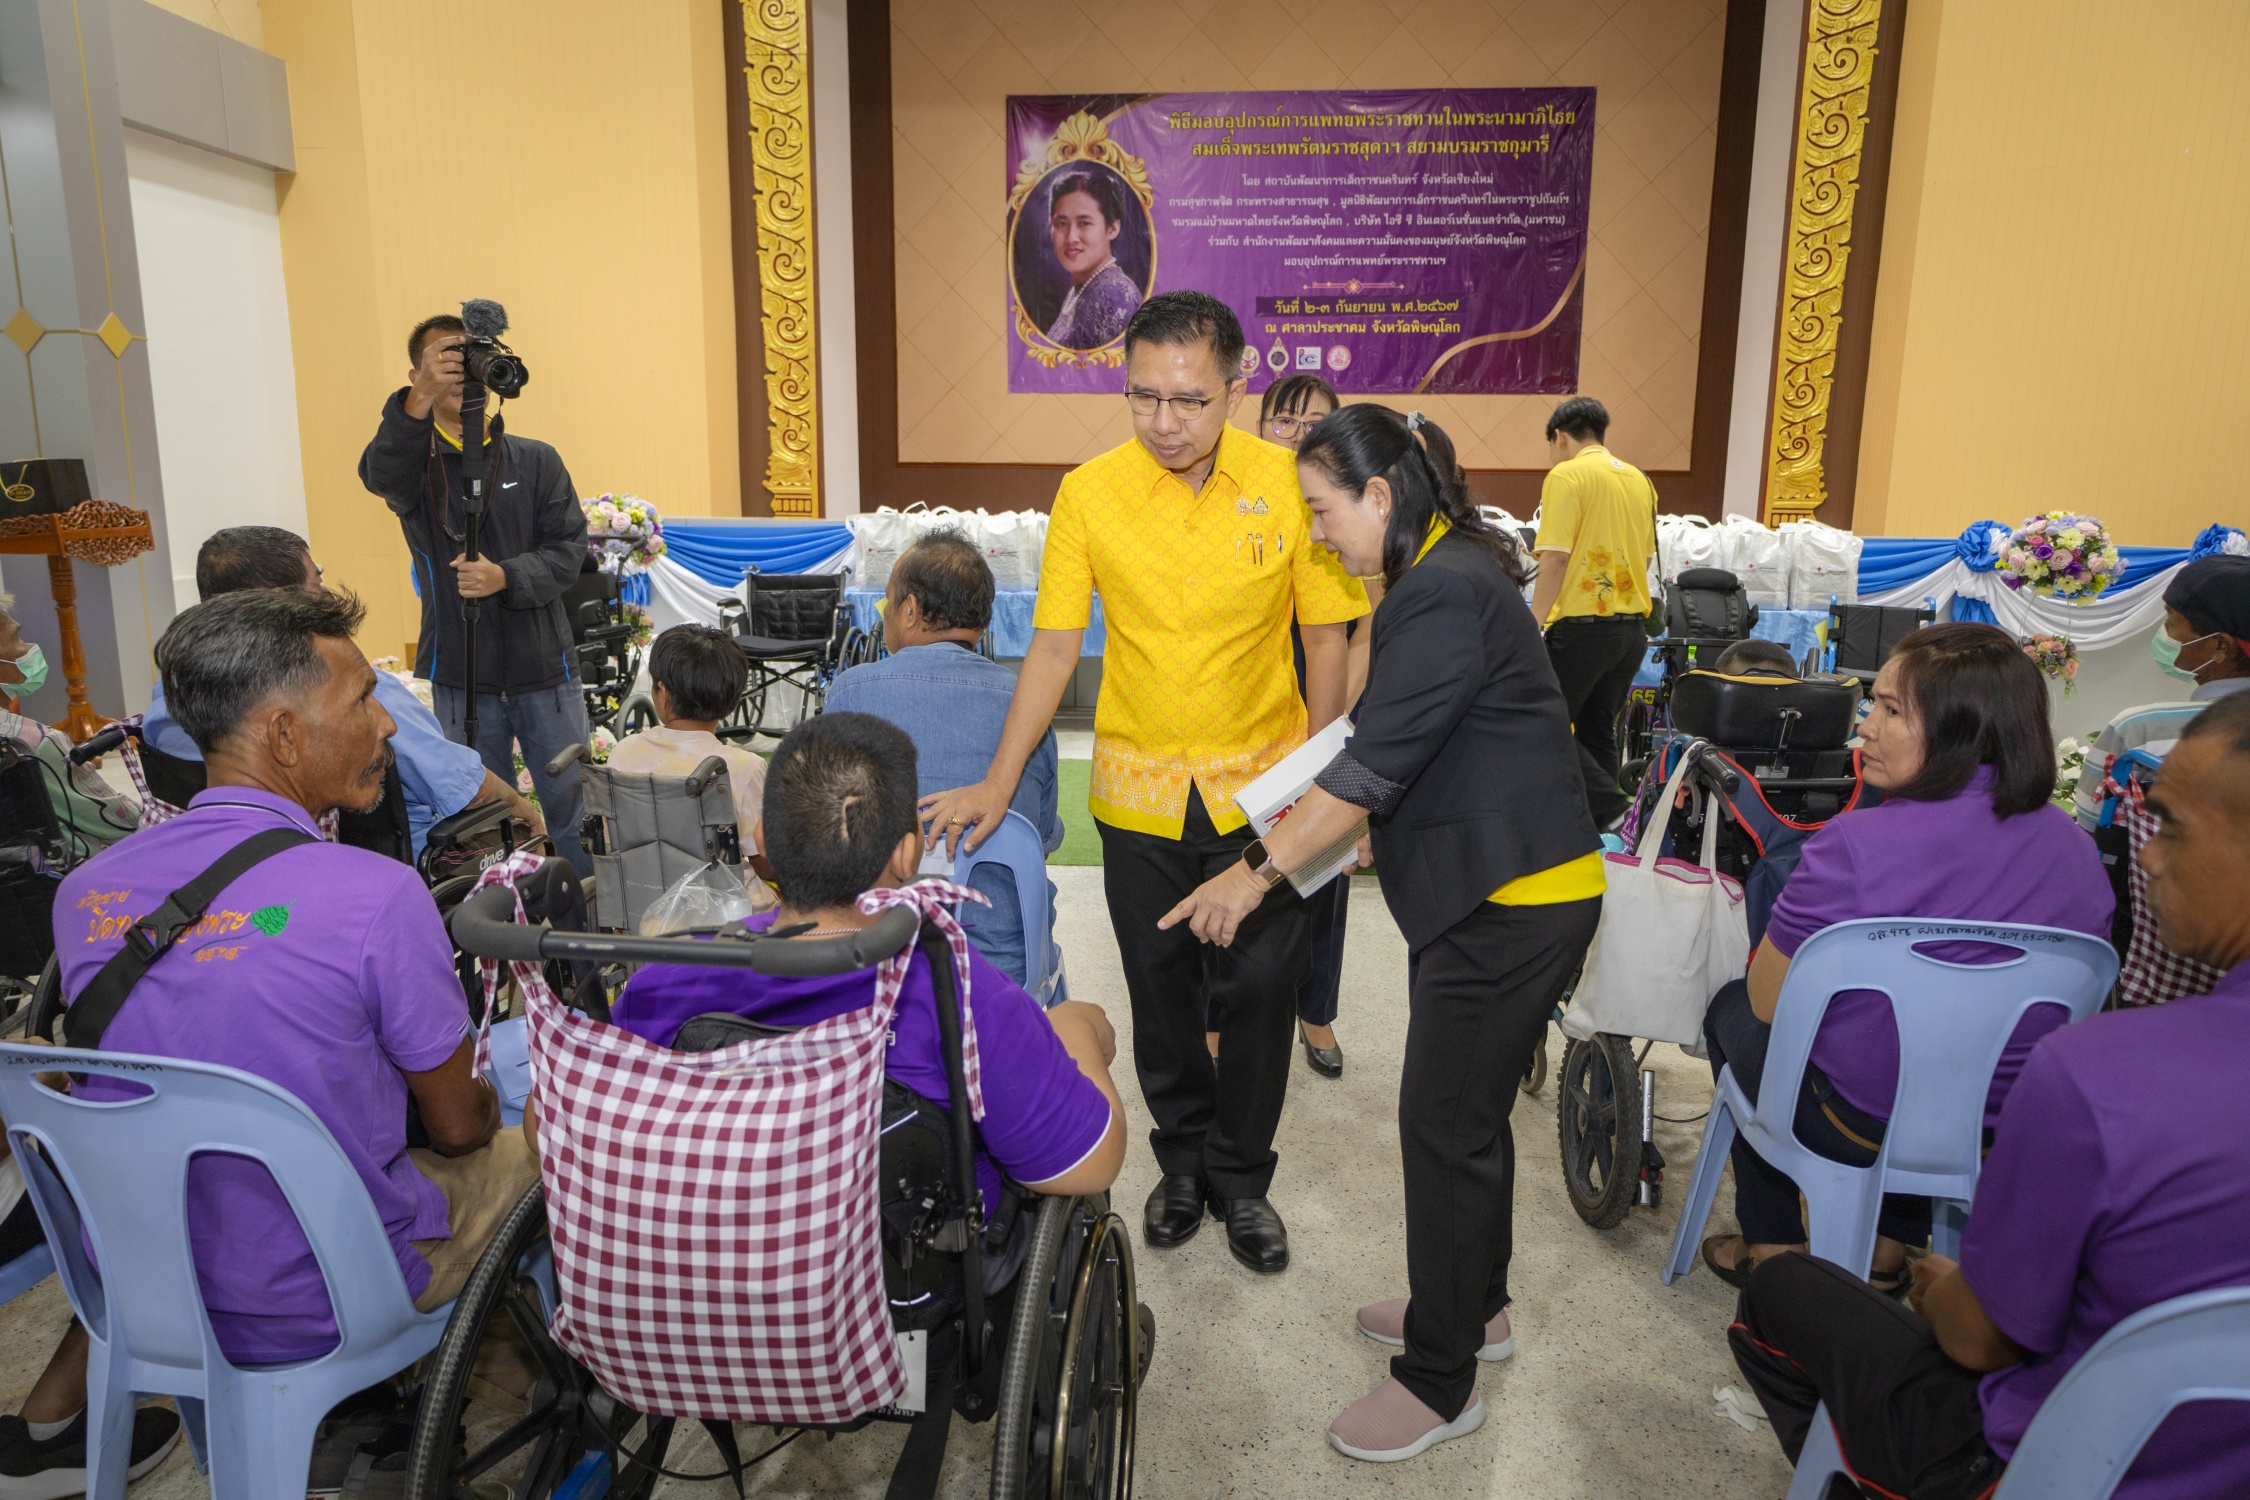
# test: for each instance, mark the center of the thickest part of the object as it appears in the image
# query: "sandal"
(1736, 1275)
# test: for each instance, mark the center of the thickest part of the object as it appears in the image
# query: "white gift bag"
(1671, 934)
(1823, 561)
(880, 539)
(1013, 543)
(1754, 554)
(1684, 542)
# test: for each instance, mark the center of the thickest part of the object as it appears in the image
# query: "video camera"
(485, 360)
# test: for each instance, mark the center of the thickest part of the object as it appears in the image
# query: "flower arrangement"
(2057, 657)
(2070, 762)
(2062, 554)
(626, 528)
(642, 622)
(600, 743)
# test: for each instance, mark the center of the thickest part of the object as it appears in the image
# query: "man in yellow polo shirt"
(1199, 543)
(1597, 531)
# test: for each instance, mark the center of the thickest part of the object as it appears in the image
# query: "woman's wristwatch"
(1261, 866)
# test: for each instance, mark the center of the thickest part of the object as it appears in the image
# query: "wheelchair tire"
(1070, 1384)
(569, 1415)
(639, 713)
(1598, 1122)
(1535, 1076)
(44, 1012)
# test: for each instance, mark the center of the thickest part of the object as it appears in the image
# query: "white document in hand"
(1266, 801)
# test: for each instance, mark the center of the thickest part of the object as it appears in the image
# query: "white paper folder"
(1266, 801)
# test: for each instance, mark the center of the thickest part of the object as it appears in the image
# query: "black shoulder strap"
(151, 937)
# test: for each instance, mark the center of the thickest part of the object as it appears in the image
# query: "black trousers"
(1215, 1118)
(1906, 1416)
(1478, 1000)
(1765, 1198)
(1594, 658)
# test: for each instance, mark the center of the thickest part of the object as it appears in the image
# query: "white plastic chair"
(113, 1173)
(1954, 1021)
(2089, 1430)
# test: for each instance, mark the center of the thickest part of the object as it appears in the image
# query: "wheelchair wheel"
(1070, 1387)
(44, 1011)
(639, 713)
(460, 1452)
(1598, 1118)
(1535, 1076)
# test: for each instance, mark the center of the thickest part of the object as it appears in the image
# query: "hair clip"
(1414, 420)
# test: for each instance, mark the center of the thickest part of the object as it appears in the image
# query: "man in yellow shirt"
(1199, 543)
(1597, 532)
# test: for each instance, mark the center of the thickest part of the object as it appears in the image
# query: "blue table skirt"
(1011, 620)
(1797, 629)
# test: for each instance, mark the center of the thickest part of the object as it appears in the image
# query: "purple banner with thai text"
(1392, 242)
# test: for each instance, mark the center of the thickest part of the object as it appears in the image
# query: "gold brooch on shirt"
(1258, 506)
(1241, 507)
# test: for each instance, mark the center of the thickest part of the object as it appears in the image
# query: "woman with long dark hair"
(1463, 767)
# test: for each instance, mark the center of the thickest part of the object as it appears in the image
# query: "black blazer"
(1463, 753)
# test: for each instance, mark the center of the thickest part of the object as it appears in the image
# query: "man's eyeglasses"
(1186, 408)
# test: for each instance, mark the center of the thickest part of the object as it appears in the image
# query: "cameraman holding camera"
(532, 542)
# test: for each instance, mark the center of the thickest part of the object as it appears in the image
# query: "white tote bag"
(1684, 542)
(1823, 562)
(1671, 934)
(1013, 542)
(1754, 554)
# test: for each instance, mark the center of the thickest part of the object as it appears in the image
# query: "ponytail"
(1412, 454)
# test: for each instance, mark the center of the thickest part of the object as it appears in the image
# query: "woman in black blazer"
(1463, 765)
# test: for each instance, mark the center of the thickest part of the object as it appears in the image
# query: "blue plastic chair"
(2090, 1429)
(511, 1069)
(1015, 844)
(25, 1272)
(1954, 1020)
(114, 1173)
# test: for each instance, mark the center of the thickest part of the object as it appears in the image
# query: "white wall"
(218, 345)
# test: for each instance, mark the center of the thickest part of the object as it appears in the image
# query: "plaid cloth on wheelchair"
(155, 809)
(714, 1215)
(2152, 972)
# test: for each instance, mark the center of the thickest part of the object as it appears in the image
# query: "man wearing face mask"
(93, 814)
(2206, 634)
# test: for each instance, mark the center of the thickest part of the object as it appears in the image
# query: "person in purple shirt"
(323, 969)
(2115, 1183)
(839, 818)
(1957, 742)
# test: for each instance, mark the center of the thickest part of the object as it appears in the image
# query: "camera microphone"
(483, 318)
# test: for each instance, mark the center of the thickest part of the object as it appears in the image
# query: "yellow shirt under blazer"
(1198, 683)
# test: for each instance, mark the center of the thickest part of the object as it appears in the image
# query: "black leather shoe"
(1174, 1212)
(1255, 1233)
(1328, 1062)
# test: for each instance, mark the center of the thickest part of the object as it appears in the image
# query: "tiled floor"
(1609, 1394)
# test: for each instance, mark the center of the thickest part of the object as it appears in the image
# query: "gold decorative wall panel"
(1824, 185)
(777, 74)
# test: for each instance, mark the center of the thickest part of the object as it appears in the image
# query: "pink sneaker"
(1390, 1423)
(1385, 1323)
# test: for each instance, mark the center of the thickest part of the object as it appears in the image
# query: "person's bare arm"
(1965, 1331)
(525, 810)
(1047, 669)
(1086, 1035)
(1217, 907)
(1552, 565)
(459, 1109)
(1326, 674)
(1768, 968)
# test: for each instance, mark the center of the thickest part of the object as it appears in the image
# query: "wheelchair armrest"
(562, 760)
(476, 818)
(714, 768)
(101, 743)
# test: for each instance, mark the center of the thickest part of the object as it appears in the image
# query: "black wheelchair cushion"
(1865, 633)
(791, 608)
(1708, 604)
(1765, 713)
(171, 779)
(766, 648)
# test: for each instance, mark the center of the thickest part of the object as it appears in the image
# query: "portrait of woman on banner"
(1092, 228)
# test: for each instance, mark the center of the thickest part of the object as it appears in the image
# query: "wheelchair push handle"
(565, 757)
(713, 769)
(100, 743)
(484, 925)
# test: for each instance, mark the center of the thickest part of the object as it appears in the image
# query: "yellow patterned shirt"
(1197, 593)
(1602, 511)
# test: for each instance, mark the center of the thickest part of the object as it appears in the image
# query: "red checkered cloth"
(2152, 973)
(155, 809)
(714, 1215)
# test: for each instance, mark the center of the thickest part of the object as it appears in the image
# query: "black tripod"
(476, 466)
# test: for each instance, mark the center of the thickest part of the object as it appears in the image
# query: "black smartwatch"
(1261, 864)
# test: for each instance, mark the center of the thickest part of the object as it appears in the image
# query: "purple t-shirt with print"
(1954, 859)
(1042, 1115)
(325, 970)
(2116, 1182)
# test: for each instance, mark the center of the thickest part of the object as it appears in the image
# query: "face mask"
(33, 665)
(2164, 649)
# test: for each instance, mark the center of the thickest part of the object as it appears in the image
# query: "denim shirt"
(953, 703)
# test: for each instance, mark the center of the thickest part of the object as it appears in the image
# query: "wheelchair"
(36, 850)
(1770, 758)
(608, 663)
(1054, 1359)
(798, 633)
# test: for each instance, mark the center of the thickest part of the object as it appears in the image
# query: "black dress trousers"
(1215, 1119)
(1595, 659)
(1478, 999)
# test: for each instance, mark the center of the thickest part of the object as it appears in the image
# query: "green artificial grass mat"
(1082, 843)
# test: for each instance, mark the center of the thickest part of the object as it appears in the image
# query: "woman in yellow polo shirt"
(1463, 765)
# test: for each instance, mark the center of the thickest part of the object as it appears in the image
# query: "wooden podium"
(99, 532)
